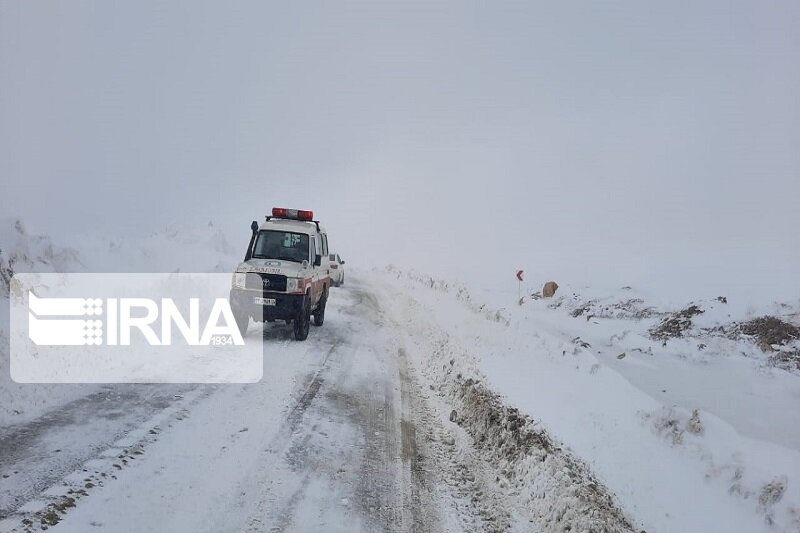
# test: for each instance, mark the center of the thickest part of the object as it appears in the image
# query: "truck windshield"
(283, 245)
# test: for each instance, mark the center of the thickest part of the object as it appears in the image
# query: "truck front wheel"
(319, 312)
(302, 322)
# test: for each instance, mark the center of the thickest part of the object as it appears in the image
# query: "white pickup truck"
(283, 276)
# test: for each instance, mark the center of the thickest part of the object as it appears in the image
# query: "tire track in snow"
(280, 444)
(72, 481)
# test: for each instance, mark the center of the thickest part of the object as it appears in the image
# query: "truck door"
(325, 258)
(316, 285)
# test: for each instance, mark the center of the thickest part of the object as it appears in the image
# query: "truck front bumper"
(287, 306)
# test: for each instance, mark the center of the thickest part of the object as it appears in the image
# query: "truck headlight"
(291, 284)
(239, 280)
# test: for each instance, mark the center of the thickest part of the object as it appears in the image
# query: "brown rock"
(549, 289)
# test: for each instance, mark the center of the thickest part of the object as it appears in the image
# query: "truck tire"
(301, 323)
(319, 312)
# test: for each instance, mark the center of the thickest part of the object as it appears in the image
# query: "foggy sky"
(593, 142)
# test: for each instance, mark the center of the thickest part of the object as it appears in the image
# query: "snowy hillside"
(204, 249)
(689, 416)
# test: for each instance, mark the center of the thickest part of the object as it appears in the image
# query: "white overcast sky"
(609, 142)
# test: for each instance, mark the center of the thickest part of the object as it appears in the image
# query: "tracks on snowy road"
(339, 436)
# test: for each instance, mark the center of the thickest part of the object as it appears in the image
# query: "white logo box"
(128, 328)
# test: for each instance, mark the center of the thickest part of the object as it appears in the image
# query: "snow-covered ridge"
(766, 332)
(22, 252)
(173, 248)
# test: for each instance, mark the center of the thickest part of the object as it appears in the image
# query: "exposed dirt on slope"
(676, 324)
(564, 494)
(774, 336)
(769, 330)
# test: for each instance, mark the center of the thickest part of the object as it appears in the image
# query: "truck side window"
(324, 244)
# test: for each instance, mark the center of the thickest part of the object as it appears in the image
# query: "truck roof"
(298, 226)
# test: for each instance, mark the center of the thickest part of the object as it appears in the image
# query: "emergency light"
(292, 214)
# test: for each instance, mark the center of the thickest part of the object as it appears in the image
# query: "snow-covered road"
(338, 436)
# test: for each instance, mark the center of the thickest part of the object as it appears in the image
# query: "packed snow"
(619, 410)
